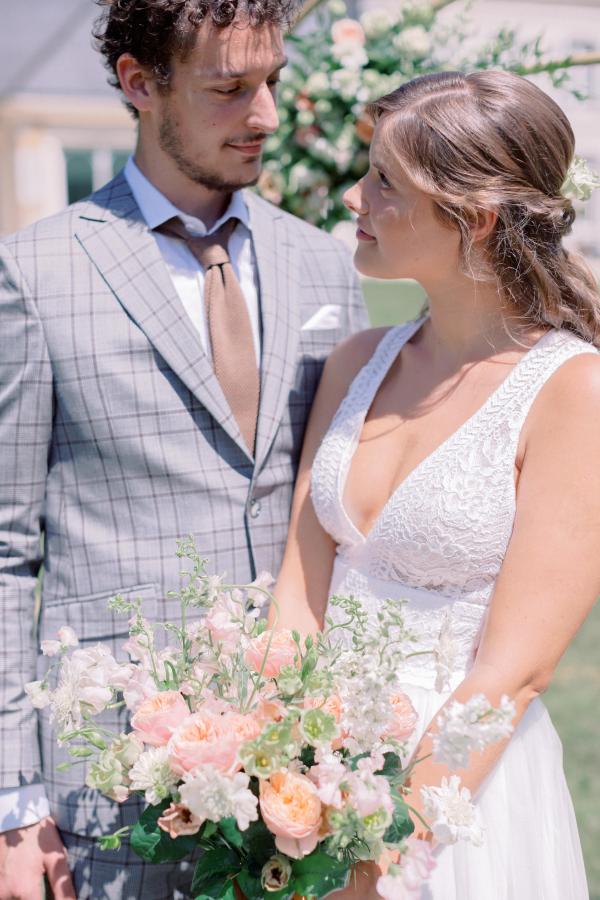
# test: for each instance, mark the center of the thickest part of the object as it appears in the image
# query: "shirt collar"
(157, 209)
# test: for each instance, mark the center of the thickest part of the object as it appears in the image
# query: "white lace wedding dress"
(439, 542)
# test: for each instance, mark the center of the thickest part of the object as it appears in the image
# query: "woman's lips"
(364, 236)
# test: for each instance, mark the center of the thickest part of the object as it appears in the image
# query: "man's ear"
(136, 83)
(484, 224)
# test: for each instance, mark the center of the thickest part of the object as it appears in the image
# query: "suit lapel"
(279, 279)
(116, 238)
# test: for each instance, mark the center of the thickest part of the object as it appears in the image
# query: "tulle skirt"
(531, 849)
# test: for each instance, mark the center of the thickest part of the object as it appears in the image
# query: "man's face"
(220, 106)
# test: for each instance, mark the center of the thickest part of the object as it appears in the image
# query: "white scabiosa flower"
(405, 881)
(210, 795)
(151, 773)
(451, 814)
(464, 728)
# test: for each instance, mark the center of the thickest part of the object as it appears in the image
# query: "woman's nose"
(354, 199)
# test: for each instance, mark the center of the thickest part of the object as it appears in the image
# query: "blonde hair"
(494, 141)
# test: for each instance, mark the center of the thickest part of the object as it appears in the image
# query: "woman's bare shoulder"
(351, 354)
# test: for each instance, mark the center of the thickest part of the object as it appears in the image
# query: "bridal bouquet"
(282, 758)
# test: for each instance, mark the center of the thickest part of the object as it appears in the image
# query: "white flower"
(151, 773)
(263, 580)
(405, 881)
(50, 648)
(84, 685)
(67, 636)
(468, 727)
(451, 813)
(350, 56)
(210, 795)
(445, 654)
(370, 793)
(581, 180)
(346, 83)
(38, 694)
(317, 85)
(414, 41)
(376, 22)
(328, 776)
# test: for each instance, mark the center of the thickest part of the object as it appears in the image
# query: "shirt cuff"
(22, 806)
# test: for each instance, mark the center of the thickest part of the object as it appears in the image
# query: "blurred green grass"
(573, 697)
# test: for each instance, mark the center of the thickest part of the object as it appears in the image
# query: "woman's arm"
(303, 583)
(550, 578)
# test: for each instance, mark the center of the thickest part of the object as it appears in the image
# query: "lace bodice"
(443, 534)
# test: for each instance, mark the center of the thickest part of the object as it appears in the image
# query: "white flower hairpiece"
(581, 181)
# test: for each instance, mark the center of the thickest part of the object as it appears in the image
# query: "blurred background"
(64, 133)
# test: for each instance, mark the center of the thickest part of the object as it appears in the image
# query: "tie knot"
(210, 250)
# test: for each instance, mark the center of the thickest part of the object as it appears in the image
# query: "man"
(150, 389)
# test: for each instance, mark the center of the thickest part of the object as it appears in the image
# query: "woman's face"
(399, 234)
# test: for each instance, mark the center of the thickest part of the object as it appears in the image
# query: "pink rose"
(158, 717)
(282, 652)
(348, 31)
(291, 810)
(206, 739)
(404, 717)
(178, 820)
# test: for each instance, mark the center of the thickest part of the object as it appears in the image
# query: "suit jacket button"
(255, 509)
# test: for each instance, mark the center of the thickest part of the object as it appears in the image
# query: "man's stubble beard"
(170, 143)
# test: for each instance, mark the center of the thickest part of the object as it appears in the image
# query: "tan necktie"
(229, 328)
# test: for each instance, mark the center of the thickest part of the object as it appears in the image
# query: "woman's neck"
(470, 321)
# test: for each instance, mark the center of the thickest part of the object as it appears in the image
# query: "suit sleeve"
(25, 434)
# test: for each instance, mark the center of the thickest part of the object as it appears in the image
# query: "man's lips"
(250, 149)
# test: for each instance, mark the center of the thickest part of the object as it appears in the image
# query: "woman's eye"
(382, 179)
(227, 90)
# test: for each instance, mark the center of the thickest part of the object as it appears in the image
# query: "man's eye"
(274, 82)
(383, 180)
(227, 90)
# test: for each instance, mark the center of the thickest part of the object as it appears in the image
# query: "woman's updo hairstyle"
(494, 141)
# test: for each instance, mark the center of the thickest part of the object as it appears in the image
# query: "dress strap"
(366, 383)
(555, 348)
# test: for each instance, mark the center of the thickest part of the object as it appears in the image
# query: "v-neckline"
(394, 352)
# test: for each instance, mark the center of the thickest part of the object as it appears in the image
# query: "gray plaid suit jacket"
(116, 439)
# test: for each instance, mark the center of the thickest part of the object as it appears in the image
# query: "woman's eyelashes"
(383, 181)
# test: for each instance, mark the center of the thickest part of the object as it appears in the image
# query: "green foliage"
(321, 146)
(214, 874)
(155, 845)
(402, 825)
(319, 874)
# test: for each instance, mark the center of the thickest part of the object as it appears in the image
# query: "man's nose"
(263, 111)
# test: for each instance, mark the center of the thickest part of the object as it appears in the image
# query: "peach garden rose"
(158, 717)
(291, 809)
(282, 652)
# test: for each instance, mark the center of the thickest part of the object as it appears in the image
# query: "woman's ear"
(484, 224)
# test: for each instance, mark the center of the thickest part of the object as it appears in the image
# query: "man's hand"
(26, 855)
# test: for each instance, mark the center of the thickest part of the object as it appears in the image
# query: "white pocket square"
(327, 316)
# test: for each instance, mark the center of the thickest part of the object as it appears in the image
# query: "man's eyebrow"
(231, 75)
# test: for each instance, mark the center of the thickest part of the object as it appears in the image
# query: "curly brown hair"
(155, 32)
(494, 140)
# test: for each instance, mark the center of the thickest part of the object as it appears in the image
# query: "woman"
(453, 461)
